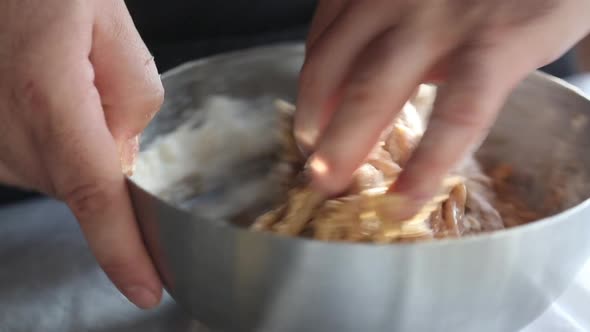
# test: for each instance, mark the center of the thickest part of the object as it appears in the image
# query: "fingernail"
(317, 165)
(324, 177)
(316, 173)
(306, 138)
(141, 297)
(128, 153)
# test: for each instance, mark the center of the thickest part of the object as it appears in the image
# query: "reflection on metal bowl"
(232, 279)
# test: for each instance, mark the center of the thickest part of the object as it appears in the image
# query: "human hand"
(77, 86)
(365, 59)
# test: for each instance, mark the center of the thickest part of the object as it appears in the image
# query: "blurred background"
(177, 31)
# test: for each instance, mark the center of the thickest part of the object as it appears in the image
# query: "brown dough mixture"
(466, 203)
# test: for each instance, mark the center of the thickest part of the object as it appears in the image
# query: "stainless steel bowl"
(232, 279)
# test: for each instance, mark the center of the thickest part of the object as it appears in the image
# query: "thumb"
(126, 77)
(80, 156)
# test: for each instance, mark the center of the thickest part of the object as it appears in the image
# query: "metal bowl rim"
(549, 221)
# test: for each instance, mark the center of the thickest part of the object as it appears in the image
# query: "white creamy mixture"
(210, 165)
(220, 140)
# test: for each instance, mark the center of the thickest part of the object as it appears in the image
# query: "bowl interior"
(225, 105)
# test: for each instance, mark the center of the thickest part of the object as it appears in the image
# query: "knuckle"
(470, 103)
(360, 91)
(26, 94)
(38, 91)
(51, 114)
(88, 198)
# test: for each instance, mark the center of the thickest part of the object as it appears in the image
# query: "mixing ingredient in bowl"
(363, 212)
(78, 86)
(379, 65)
(465, 204)
(183, 164)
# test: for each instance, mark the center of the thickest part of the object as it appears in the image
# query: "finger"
(329, 60)
(126, 77)
(10, 178)
(325, 13)
(384, 78)
(465, 108)
(438, 73)
(81, 159)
